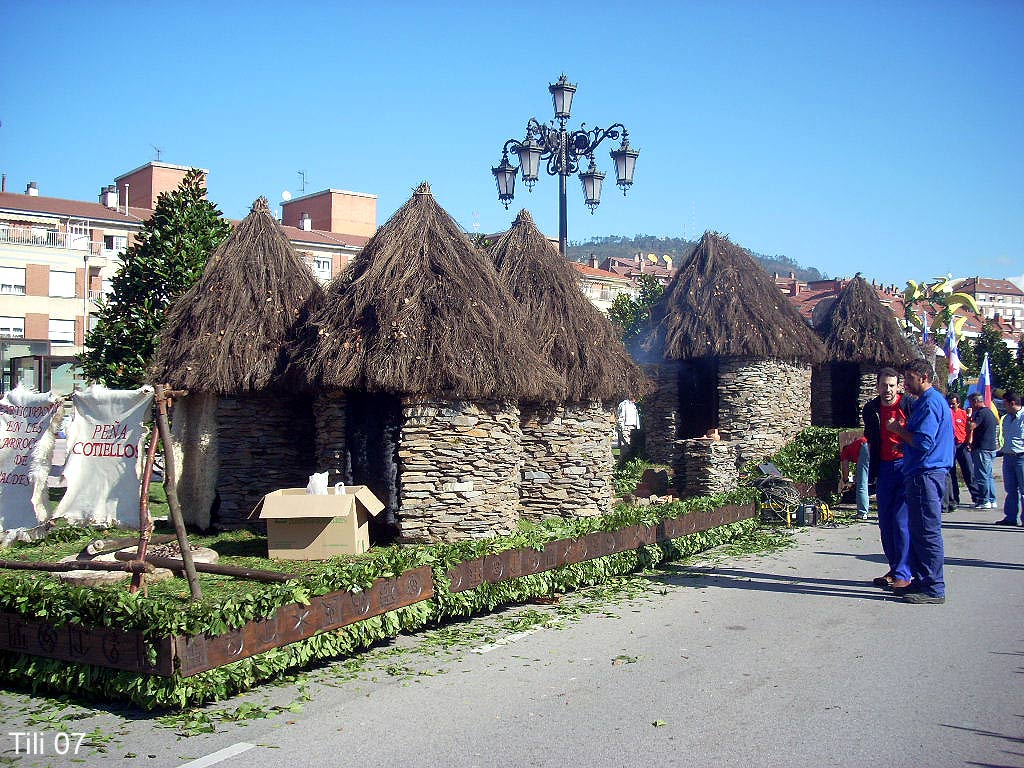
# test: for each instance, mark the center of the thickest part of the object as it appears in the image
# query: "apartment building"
(57, 257)
(601, 286)
(997, 299)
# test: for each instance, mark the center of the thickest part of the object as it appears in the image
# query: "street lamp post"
(563, 150)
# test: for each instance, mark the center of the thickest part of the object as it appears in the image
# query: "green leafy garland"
(42, 597)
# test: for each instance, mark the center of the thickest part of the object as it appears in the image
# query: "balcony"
(45, 238)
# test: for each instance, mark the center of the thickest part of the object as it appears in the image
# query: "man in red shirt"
(962, 454)
(887, 465)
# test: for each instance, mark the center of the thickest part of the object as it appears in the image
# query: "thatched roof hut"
(422, 312)
(567, 447)
(859, 329)
(566, 329)
(722, 304)
(227, 333)
(242, 431)
(860, 337)
(729, 353)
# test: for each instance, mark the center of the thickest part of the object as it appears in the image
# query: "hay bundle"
(859, 329)
(721, 303)
(227, 334)
(564, 327)
(422, 312)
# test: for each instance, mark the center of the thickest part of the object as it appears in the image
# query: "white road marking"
(220, 755)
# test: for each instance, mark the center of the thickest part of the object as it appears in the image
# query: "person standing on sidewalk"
(962, 452)
(983, 450)
(1013, 459)
(928, 456)
(887, 465)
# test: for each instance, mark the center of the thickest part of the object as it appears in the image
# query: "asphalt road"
(787, 659)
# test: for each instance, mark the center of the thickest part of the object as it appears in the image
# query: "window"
(62, 284)
(605, 292)
(322, 267)
(115, 243)
(12, 280)
(12, 327)
(62, 331)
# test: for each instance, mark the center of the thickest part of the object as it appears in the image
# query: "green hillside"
(677, 248)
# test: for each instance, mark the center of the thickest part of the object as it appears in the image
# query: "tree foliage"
(629, 313)
(1007, 368)
(167, 257)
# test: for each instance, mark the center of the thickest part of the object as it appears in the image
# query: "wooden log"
(131, 566)
(174, 564)
(103, 546)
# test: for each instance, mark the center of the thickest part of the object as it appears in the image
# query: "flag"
(924, 328)
(952, 356)
(985, 382)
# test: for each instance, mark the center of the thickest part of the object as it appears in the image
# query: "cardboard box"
(301, 526)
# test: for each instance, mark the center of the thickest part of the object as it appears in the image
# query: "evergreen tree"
(628, 314)
(167, 257)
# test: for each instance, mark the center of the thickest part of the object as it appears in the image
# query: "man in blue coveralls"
(928, 455)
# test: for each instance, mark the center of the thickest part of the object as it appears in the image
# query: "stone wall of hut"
(459, 470)
(661, 413)
(821, 395)
(330, 445)
(763, 404)
(707, 467)
(265, 442)
(567, 460)
(868, 390)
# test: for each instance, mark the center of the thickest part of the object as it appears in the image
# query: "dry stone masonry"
(661, 412)
(821, 395)
(763, 404)
(567, 460)
(459, 469)
(331, 453)
(709, 466)
(868, 390)
(264, 443)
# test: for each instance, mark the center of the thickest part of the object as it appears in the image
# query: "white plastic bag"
(339, 489)
(317, 484)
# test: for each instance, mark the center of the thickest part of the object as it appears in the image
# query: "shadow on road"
(735, 578)
(992, 735)
(967, 562)
(981, 526)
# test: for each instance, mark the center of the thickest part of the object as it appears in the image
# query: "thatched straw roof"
(423, 312)
(721, 303)
(563, 326)
(859, 329)
(227, 334)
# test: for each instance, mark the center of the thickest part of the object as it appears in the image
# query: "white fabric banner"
(25, 417)
(103, 450)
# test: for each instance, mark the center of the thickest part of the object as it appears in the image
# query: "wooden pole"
(131, 566)
(174, 564)
(163, 395)
(145, 521)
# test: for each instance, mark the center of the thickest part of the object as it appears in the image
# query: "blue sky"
(880, 137)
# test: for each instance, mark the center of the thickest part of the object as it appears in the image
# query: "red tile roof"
(973, 285)
(78, 209)
(594, 272)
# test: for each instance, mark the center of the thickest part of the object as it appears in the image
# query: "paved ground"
(788, 659)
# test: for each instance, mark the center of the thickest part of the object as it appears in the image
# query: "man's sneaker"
(862, 516)
(981, 505)
(991, 505)
(920, 598)
(1004, 521)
